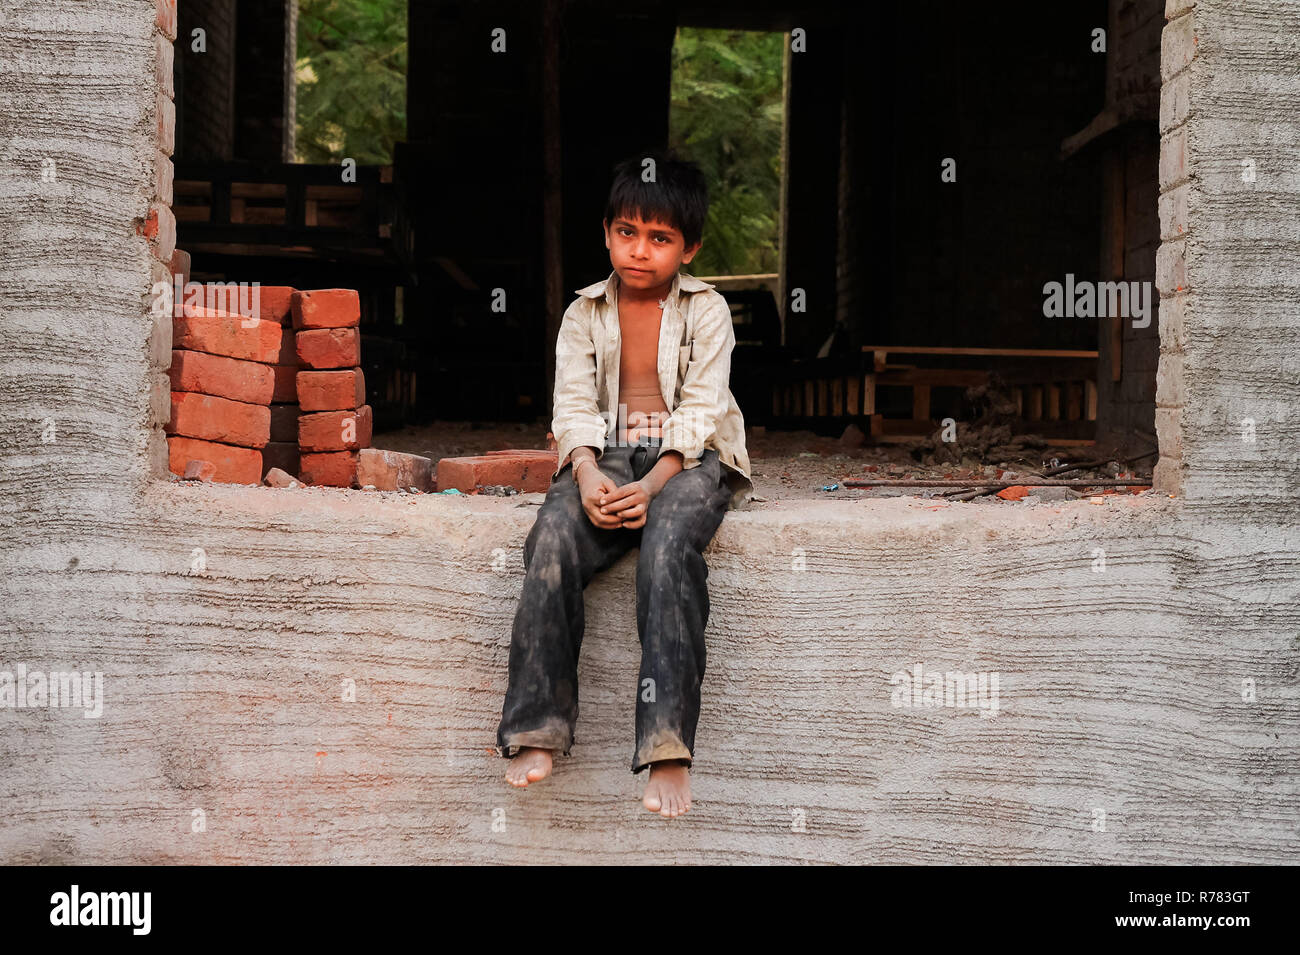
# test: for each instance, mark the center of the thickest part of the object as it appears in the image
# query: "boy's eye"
(626, 231)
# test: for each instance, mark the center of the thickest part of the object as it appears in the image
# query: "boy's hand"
(593, 487)
(629, 503)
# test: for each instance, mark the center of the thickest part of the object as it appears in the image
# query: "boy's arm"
(577, 422)
(704, 393)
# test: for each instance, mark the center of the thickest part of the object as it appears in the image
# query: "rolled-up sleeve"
(577, 420)
(705, 389)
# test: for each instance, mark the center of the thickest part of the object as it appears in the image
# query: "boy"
(652, 454)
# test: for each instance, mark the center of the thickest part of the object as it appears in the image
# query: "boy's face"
(646, 254)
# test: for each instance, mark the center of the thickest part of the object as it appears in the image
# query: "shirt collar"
(606, 287)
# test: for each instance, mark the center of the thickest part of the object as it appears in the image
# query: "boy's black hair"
(679, 195)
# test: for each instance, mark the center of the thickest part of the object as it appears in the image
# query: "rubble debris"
(278, 478)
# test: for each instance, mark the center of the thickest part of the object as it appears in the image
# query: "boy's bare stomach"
(645, 415)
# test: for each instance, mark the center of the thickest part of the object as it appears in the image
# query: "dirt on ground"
(800, 465)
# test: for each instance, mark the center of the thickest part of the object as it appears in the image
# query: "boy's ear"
(690, 251)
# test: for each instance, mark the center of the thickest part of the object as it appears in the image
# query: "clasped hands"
(611, 506)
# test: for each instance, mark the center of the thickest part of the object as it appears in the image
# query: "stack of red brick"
(335, 421)
(223, 382)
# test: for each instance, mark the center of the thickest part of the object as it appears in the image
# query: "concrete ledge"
(229, 633)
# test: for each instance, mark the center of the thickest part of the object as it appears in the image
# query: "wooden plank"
(921, 402)
(935, 377)
(1112, 247)
(1090, 399)
(1035, 393)
(1116, 347)
(192, 213)
(1073, 400)
(257, 190)
(1053, 410)
(348, 193)
(881, 353)
(264, 215)
(869, 394)
(853, 395)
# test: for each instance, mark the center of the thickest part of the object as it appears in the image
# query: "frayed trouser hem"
(675, 749)
(540, 739)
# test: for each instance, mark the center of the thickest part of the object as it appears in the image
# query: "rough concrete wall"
(1120, 690)
(1228, 270)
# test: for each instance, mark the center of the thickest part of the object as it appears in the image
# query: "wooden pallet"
(1055, 389)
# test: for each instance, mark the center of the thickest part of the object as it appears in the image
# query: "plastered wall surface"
(227, 621)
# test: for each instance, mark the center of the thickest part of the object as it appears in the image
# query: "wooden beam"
(881, 352)
(921, 402)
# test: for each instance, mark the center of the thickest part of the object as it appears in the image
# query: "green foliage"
(351, 75)
(726, 116)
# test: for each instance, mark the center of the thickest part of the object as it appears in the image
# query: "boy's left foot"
(669, 790)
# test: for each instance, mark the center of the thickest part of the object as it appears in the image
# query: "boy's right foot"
(530, 765)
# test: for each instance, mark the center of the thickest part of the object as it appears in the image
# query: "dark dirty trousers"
(562, 553)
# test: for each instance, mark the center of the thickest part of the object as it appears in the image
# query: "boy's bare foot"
(669, 790)
(530, 765)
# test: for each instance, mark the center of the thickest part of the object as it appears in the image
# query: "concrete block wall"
(1148, 702)
(1228, 269)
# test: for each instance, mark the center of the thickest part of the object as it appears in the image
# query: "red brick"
(286, 382)
(327, 308)
(526, 470)
(164, 178)
(231, 378)
(200, 471)
(234, 465)
(180, 265)
(277, 477)
(331, 390)
(323, 431)
(331, 469)
(329, 348)
(164, 66)
(282, 455)
(159, 227)
(166, 17)
(275, 303)
(223, 333)
(389, 470)
(166, 129)
(220, 419)
(284, 423)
